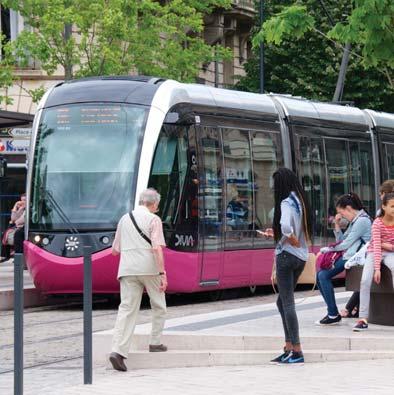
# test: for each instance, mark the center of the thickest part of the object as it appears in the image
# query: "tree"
(102, 37)
(307, 61)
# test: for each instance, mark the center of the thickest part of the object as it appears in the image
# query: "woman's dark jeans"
(324, 281)
(288, 269)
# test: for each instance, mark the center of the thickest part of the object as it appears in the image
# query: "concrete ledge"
(173, 359)
(32, 298)
(188, 349)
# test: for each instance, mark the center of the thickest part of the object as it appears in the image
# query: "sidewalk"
(249, 331)
(331, 378)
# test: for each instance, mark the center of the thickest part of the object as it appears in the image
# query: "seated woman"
(358, 232)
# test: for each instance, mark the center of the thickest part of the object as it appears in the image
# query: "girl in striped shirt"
(382, 239)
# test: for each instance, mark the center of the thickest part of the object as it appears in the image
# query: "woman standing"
(291, 230)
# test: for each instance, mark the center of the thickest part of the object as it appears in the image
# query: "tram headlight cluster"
(40, 240)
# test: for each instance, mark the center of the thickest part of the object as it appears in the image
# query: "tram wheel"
(252, 289)
(216, 295)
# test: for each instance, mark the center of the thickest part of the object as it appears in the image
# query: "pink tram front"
(97, 143)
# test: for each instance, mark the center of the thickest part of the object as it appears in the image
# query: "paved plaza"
(221, 323)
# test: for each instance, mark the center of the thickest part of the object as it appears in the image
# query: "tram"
(98, 142)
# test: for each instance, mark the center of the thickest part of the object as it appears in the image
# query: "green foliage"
(114, 37)
(309, 66)
(291, 22)
(369, 25)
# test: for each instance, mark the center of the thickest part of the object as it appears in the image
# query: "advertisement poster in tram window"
(14, 141)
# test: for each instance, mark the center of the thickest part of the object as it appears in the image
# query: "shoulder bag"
(142, 234)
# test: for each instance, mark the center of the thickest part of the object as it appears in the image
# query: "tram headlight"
(45, 241)
(105, 240)
(37, 239)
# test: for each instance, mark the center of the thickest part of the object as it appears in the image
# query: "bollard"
(87, 315)
(18, 323)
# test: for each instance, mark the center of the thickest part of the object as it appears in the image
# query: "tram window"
(85, 158)
(389, 168)
(169, 171)
(267, 157)
(239, 192)
(311, 169)
(362, 173)
(338, 173)
(174, 175)
(211, 189)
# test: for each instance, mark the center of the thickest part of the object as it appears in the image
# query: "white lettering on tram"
(184, 241)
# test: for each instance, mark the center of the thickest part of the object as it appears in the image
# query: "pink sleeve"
(377, 243)
(156, 233)
(116, 242)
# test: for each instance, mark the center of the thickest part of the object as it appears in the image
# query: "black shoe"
(157, 348)
(280, 357)
(117, 362)
(329, 321)
(294, 358)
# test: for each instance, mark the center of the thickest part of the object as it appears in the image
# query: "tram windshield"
(85, 165)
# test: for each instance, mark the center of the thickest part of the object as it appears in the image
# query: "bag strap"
(142, 234)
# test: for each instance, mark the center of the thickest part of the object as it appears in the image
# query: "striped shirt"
(381, 233)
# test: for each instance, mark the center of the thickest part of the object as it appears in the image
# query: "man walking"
(139, 240)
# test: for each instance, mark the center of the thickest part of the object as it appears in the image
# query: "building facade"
(230, 28)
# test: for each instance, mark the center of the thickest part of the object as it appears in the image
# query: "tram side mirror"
(3, 167)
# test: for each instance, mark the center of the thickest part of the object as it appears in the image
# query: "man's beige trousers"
(131, 290)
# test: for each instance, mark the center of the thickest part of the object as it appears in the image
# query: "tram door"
(210, 204)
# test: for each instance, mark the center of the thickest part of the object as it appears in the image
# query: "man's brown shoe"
(117, 362)
(157, 348)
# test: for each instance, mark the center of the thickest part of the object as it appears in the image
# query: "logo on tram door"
(72, 243)
(184, 241)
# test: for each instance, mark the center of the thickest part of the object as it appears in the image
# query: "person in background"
(18, 219)
(139, 240)
(291, 230)
(382, 233)
(350, 207)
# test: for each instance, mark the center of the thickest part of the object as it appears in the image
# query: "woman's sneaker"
(329, 321)
(360, 326)
(294, 358)
(280, 357)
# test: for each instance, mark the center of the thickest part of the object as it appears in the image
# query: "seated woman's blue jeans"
(324, 281)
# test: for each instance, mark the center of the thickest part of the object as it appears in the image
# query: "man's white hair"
(149, 196)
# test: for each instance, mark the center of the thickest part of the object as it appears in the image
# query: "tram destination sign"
(89, 115)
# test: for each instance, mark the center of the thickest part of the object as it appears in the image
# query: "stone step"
(194, 358)
(191, 343)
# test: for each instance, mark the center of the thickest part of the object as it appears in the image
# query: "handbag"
(8, 237)
(327, 260)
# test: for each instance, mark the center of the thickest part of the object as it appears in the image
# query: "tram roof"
(109, 89)
(230, 99)
(382, 120)
(303, 111)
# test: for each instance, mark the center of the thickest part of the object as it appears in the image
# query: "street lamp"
(261, 49)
